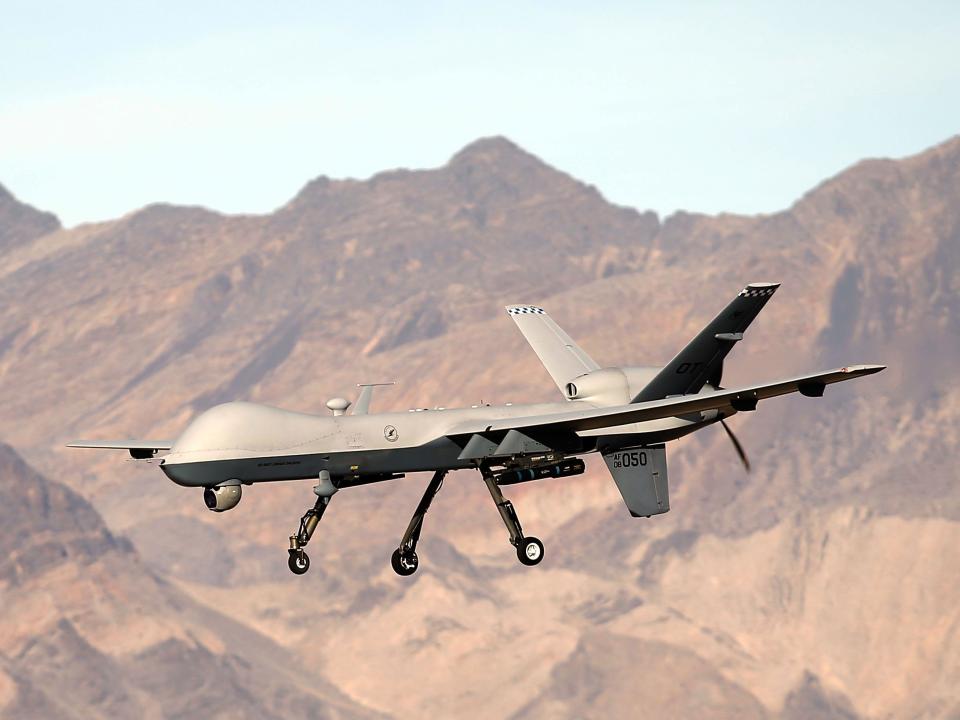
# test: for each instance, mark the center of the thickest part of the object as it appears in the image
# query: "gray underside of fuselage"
(361, 467)
(440, 454)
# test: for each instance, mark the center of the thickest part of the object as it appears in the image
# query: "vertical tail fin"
(641, 478)
(560, 355)
(701, 361)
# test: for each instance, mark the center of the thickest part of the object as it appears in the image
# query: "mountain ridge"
(20, 222)
(129, 329)
(493, 149)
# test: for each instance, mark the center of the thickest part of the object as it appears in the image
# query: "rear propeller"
(737, 446)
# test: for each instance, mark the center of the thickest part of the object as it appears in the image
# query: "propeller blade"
(737, 446)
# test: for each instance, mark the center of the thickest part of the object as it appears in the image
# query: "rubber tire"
(298, 562)
(404, 570)
(524, 549)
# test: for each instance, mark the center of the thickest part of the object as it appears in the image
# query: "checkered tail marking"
(764, 291)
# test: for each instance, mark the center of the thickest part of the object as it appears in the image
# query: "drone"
(626, 413)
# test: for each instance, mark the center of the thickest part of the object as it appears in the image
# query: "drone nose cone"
(180, 474)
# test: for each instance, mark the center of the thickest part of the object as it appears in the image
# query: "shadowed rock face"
(809, 701)
(67, 584)
(648, 680)
(46, 524)
(762, 593)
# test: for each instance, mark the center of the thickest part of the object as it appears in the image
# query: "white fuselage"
(257, 443)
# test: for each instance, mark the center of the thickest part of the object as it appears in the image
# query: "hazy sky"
(107, 106)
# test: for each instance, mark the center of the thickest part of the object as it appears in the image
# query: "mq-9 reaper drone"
(627, 414)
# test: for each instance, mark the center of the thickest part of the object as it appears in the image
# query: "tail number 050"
(633, 458)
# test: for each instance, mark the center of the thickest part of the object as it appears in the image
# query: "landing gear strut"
(299, 561)
(404, 560)
(529, 548)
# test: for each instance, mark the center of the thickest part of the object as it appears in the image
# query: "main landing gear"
(529, 548)
(299, 561)
(404, 560)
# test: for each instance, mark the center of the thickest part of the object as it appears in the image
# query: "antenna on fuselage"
(363, 399)
(338, 405)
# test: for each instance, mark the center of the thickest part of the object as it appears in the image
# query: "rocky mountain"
(20, 223)
(89, 631)
(823, 584)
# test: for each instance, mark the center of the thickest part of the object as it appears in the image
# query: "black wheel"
(530, 551)
(404, 563)
(299, 562)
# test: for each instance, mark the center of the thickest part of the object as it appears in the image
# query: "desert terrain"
(825, 583)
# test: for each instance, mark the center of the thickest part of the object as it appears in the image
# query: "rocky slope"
(89, 631)
(20, 223)
(823, 583)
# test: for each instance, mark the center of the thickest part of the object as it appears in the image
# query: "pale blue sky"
(107, 106)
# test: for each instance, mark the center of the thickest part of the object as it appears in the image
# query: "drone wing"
(738, 398)
(139, 449)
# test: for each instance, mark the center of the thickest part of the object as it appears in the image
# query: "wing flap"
(596, 418)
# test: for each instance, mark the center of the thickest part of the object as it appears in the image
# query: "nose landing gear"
(298, 560)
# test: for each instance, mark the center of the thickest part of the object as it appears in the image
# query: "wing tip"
(525, 310)
(863, 369)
